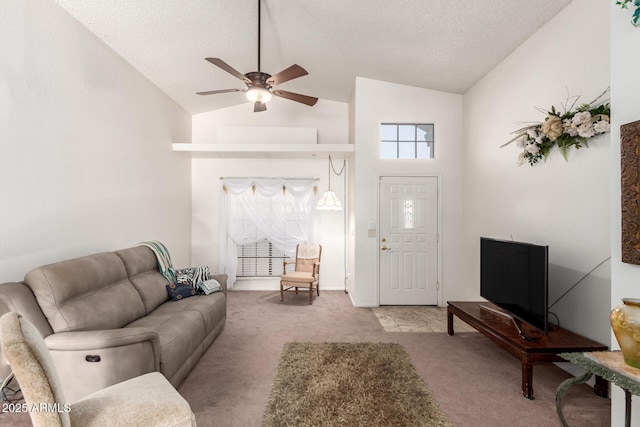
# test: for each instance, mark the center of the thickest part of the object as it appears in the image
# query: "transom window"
(406, 141)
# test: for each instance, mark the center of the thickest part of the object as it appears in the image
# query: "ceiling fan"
(260, 86)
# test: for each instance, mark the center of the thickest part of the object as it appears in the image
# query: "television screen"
(513, 276)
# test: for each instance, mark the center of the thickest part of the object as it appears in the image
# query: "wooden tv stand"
(544, 350)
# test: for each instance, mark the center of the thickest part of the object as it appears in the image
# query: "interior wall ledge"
(265, 150)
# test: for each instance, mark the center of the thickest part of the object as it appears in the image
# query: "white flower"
(601, 126)
(586, 130)
(580, 118)
(569, 128)
(521, 143)
(532, 148)
(532, 133)
(521, 160)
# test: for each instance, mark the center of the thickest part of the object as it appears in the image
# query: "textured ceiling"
(445, 45)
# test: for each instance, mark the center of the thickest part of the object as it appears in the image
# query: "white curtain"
(279, 210)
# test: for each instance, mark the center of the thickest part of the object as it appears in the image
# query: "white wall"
(379, 102)
(85, 146)
(561, 204)
(329, 117)
(331, 120)
(625, 105)
(556, 203)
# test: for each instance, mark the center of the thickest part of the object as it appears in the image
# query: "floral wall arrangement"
(636, 14)
(571, 127)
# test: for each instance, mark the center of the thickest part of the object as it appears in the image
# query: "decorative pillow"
(210, 286)
(178, 291)
(192, 276)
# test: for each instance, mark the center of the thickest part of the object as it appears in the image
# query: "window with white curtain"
(280, 211)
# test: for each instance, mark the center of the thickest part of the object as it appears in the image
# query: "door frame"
(439, 228)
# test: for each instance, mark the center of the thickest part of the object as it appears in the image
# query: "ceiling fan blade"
(259, 106)
(290, 73)
(308, 100)
(228, 68)
(213, 92)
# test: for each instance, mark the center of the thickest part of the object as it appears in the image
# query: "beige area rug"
(417, 319)
(349, 384)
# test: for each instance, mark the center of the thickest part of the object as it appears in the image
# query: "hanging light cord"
(344, 215)
(344, 164)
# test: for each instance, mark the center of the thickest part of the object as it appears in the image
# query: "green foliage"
(636, 14)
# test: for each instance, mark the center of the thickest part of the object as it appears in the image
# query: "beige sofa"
(108, 317)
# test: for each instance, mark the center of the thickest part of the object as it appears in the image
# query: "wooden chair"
(307, 271)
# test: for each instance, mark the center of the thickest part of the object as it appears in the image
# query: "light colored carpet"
(474, 381)
(416, 319)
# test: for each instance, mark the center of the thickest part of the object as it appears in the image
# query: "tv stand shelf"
(544, 350)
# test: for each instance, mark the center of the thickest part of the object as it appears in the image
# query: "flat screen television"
(514, 276)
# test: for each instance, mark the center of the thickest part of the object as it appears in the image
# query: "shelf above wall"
(265, 150)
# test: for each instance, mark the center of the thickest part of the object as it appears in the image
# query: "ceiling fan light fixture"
(258, 94)
(259, 84)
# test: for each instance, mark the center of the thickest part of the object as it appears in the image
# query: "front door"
(408, 241)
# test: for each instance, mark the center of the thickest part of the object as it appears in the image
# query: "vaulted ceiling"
(445, 45)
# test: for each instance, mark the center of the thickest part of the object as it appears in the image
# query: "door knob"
(384, 248)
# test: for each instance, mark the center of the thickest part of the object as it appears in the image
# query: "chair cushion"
(298, 276)
(147, 400)
(305, 265)
(308, 251)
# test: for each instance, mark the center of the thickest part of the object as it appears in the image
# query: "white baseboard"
(271, 284)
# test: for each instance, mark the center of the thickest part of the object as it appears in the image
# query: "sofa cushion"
(180, 333)
(92, 292)
(142, 268)
(211, 308)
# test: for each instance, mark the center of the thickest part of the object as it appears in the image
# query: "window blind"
(260, 259)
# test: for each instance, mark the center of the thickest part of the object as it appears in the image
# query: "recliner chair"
(148, 400)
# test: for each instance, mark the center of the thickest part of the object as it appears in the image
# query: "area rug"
(349, 384)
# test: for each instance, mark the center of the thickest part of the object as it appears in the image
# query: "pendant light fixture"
(329, 201)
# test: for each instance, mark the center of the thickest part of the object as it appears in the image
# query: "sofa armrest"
(222, 279)
(96, 340)
(88, 361)
(18, 297)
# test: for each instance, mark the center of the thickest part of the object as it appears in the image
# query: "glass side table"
(609, 365)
